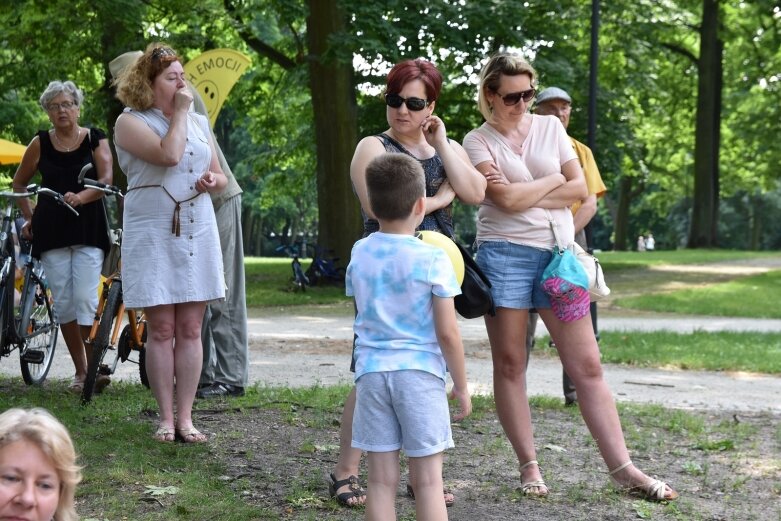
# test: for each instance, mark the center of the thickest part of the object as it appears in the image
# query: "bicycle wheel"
(40, 333)
(101, 345)
(142, 367)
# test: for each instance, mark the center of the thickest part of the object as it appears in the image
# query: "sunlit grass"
(751, 296)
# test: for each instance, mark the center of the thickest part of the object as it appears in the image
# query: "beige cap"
(123, 60)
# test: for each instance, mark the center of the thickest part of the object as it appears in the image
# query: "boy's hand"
(464, 402)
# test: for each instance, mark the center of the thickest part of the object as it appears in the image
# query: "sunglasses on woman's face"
(394, 101)
(514, 97)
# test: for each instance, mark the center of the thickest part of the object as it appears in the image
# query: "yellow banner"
(214, 73)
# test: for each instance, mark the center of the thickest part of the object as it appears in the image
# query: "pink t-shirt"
(546, 148)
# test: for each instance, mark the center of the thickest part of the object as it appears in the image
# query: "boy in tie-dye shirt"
(407, 338)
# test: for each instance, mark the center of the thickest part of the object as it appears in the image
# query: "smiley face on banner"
(214, 73)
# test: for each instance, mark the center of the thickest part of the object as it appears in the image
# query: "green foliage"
(647, 91)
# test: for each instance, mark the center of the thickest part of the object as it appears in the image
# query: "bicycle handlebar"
(34, 189)
(108, 189)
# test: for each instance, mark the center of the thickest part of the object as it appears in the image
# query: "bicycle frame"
(111, 339)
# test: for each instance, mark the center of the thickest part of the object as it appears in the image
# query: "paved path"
(300, 348)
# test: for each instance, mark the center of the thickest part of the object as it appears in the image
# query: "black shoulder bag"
(475, 299)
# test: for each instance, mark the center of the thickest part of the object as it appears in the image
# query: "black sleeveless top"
(55, 226)
(435, 175)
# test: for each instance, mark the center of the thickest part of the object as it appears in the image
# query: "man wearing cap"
(225, 368)
(554, 101)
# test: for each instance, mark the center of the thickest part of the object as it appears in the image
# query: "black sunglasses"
(514, 97)
(414, 104)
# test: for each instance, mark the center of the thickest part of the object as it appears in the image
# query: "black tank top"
(435, 175)
(55, 226)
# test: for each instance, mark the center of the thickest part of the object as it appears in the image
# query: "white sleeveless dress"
(159, 267)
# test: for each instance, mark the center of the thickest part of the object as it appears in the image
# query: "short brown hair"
(394, 182)
(507, 64)
(134, 83)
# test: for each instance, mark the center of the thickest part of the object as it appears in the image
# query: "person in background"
(168, 155)
(641, 243)
(650, 243)
(515, 243)
(554, 101)
(38, 467)
(224, 335)
(407, 339)
(412, 90)
(71, 247)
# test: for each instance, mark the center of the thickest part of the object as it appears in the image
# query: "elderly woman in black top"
(71, 248)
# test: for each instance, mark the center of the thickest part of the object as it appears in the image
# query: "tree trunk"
(621, 218)
(336, 130)
(704, 220)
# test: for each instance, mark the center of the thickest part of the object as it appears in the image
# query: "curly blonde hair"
(38, 426)
(134, 83)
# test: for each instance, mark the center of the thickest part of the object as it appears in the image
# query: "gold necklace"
(67, 149)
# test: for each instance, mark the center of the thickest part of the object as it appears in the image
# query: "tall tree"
(336, 127)
(705, 211)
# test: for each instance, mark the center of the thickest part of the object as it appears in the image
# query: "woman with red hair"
(412, 90)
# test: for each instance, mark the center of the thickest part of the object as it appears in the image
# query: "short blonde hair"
(38, 426)
(134, 83)
(507, 64)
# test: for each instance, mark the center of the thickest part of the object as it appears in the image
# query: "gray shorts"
(402, 410)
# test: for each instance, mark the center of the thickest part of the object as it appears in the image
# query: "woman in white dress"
(172, 264)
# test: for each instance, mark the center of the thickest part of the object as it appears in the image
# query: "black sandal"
(445, 492)
(356, 490)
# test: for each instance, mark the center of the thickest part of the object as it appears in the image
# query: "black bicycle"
(31, 327)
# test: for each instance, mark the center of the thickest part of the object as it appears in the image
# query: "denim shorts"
(401, 410)
(514, 271)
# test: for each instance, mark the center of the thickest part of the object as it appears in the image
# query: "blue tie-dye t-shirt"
(394, 279)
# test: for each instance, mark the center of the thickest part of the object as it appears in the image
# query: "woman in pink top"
(533, 177)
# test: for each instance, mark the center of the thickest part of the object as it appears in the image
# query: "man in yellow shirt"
(554, 101)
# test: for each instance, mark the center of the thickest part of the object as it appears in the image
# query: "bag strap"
(555, 229)
(444, 226)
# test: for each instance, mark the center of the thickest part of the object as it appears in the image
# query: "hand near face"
(183, 99)
(434, 130)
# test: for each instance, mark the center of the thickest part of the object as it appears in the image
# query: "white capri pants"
(73, 274)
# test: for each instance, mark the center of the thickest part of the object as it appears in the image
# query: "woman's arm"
(517, 197)
(104, 164)
(25, 172)
(466, 181)
(573, 190)
(213, 180)
(368, 148)
(135, 136)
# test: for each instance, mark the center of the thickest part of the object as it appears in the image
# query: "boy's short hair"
(394, 182)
